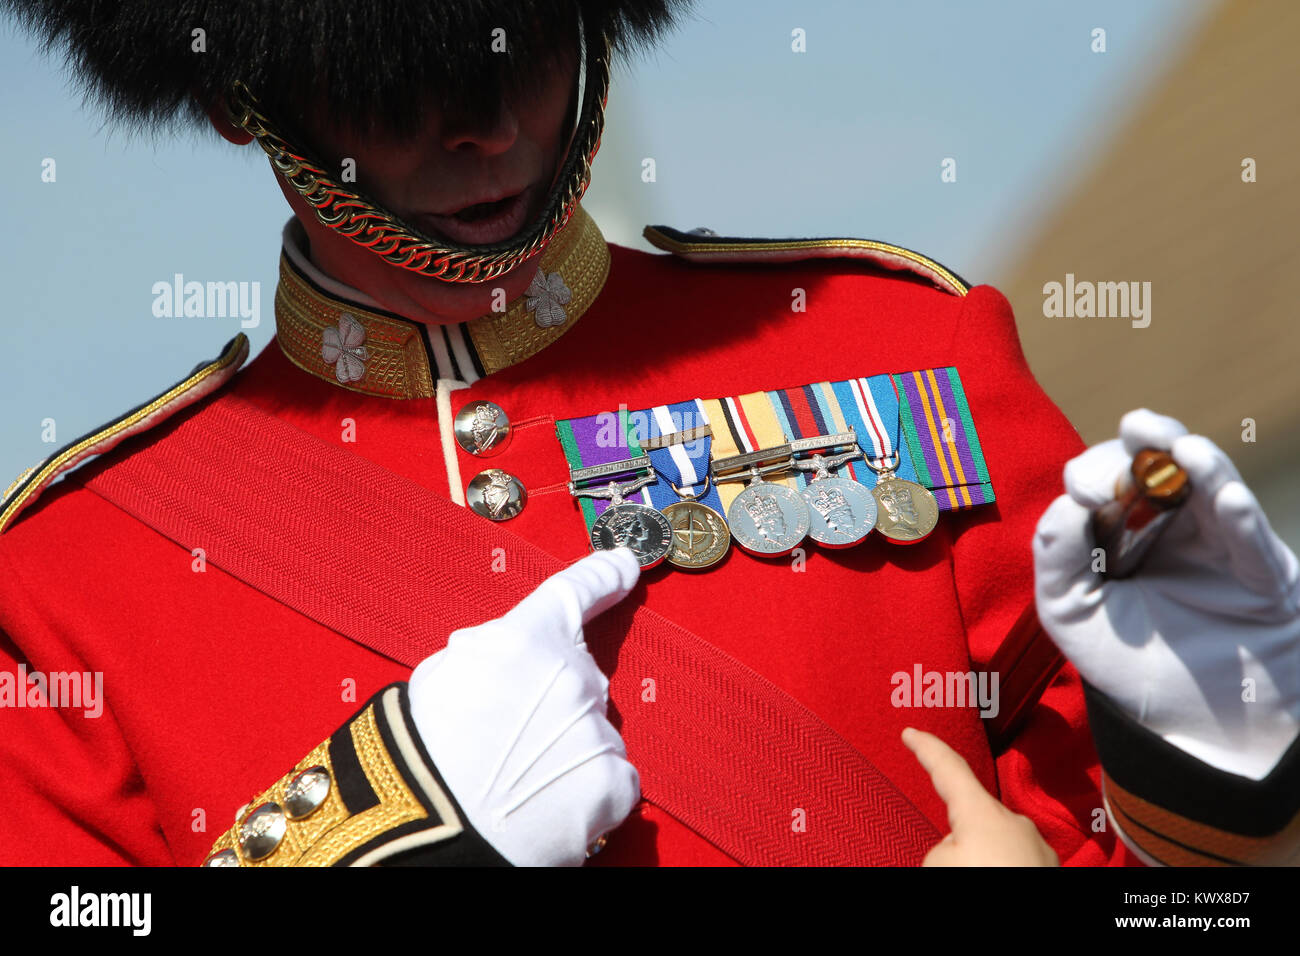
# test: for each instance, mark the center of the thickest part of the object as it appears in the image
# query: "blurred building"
(1167, 204)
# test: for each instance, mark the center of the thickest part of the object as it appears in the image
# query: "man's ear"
(221, 122)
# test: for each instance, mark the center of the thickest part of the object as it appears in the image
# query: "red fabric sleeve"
(1050, 773)
(72, 793)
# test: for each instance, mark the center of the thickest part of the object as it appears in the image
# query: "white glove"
(513, 714)
(1211, 619)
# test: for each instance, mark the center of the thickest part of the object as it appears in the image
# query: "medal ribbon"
(880, 413)
(924, 415)
(936, 422)
(598, 440)
(741, 424)
(809, 411)
(852, 404)
(685, 464)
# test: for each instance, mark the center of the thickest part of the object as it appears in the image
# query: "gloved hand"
(513, 714)
(1210, 620)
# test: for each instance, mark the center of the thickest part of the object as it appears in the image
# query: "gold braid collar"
(342, 336)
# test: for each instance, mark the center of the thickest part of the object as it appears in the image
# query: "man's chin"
(405, 293)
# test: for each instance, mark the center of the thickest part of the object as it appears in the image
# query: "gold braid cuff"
(360, 798)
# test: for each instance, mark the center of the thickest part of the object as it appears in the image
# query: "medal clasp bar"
(610, 468)
(677, 438)
(614, 490)
(750, 465)
(822, 442)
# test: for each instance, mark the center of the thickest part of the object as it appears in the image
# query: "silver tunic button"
(496, 494)
(306, 792)
(262, 832)
(223, 858)
(482, 429)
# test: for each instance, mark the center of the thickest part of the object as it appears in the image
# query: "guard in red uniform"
(811, 471)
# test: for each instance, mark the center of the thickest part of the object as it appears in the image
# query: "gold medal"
(700, 535)
(906, 512)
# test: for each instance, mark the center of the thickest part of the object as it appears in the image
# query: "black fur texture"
(377, 63)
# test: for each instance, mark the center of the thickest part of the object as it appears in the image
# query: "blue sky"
(748, 138)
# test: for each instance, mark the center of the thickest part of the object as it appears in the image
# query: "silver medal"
(843, 511)
(768, 519)
(630, 525)
(625, 524)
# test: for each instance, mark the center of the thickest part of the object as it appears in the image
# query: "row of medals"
(766, 519)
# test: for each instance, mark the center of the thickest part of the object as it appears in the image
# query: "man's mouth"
(483, 210)
(482, 223)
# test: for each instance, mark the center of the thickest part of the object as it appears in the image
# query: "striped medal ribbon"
(937, 423)
(678, 444)
(610, 474)
(915, 427)
(768, 518)
(842, 510)
(907, 511)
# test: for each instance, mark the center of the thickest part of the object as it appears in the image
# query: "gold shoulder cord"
(758, 248)
(370, 225)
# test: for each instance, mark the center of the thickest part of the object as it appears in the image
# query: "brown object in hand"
(1146, 499)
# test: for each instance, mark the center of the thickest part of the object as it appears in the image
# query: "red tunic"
(214, 690)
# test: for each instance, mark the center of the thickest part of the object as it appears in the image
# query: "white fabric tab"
(443, 397)
(295, 247)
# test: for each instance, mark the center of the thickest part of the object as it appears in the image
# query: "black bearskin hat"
(377, 62)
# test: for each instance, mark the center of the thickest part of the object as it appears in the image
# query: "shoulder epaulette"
(206, 378)
(706, 246)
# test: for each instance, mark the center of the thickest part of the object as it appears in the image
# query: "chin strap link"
(370, 225)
